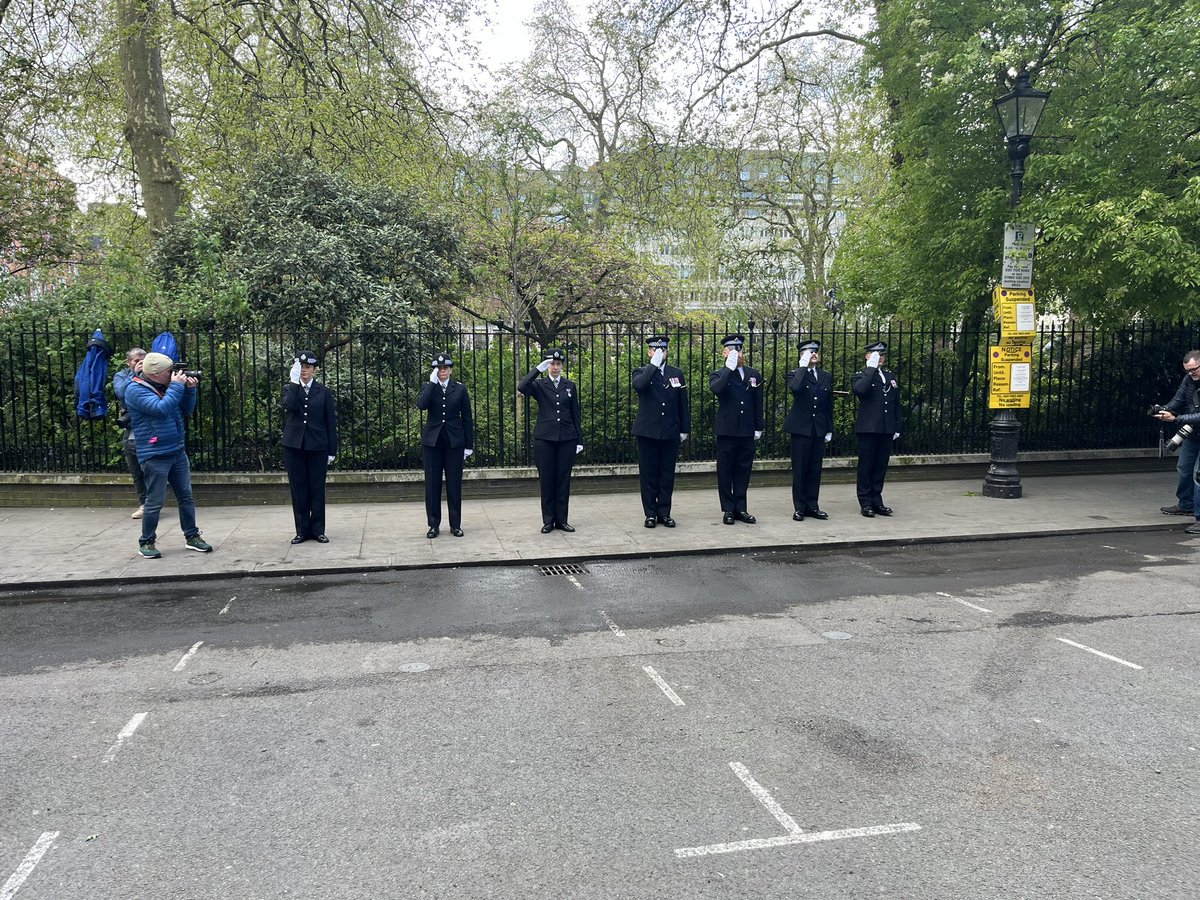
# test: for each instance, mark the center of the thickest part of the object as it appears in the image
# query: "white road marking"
(183, 662)
(28, 864)
(764, 798)
(1145, 556)
(663, 686)
(786, 840)
(963, 602)
(795, 834)
(612, 626)
(126, 733)
(1115, 659)
(574, 581)
(872, 568)
(227, 605)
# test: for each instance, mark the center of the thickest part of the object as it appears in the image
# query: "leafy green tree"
(316, 253)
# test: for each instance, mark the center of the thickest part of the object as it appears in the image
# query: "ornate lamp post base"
(1002, 480)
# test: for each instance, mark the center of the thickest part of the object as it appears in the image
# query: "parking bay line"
(126, 733)
(227, 605)
(612, 626)
(795, 834)
(963, 602)
(28, 864)
(183, 662)
(663, 686)
(1100, 653)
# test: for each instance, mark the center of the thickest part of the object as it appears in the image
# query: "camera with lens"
(1180, 436)
(189, 373)
(1156, 409)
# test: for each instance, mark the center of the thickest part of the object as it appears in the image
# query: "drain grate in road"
(565, 569)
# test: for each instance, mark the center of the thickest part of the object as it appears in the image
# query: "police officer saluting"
(663, 422)
(310, 442)
(877, 426)
(557, 436)
(739, 424)
(447, 439)
(810, 423)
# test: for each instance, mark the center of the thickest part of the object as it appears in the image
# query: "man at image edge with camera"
(1184, 409)
(158, 400)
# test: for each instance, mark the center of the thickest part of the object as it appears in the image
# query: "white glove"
(467, 453)
(829, 437)
(579, 448)
(328, 461)
(896, 436)
(757, 435)
(683, 436)
(657, 358)
(543, 365)
(433, 379)
(805, 359)
(873, 359)
(294, 374)
(731, 360)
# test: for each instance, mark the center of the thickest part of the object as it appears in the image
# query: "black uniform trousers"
(656, 469)
(554, 460)
(439, 459)
(306, 471)
(808, 452)
(874, 453)
(735, 459)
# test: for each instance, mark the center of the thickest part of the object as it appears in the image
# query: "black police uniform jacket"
(310, 422)
(811, 414)
(559, 417)
(663, 410)
(449, 412)
(878, 402)
(739, 402)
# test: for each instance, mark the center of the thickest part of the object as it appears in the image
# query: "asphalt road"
(904, 722)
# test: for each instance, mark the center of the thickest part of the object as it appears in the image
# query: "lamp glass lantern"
(1021, 108)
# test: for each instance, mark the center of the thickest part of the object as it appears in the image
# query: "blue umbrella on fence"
(91, 378)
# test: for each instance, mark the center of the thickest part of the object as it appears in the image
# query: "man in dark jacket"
(310, 443)
(877, 426)
(158, 400)
(121, 381)
(810, 423)
(557, 436)
(1185, 401)
(447, 439)
(739, 424)
(663, 422)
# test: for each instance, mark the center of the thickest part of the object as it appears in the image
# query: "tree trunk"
(147, 117)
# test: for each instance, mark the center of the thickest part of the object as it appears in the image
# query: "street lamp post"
(1019, 112)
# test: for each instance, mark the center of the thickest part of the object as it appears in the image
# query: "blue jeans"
(1187, 490)
(159, 471)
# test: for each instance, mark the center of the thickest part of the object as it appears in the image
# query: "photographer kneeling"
(1184, 409)
(158, 400)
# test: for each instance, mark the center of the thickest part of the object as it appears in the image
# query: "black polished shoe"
(868, 512)
(563, 526)
(817, 514)
(651, 521)
(746, 517)
(546, 529)
(797, 516)
(432, 532)
(667, 521)
(300, 539)
(882, 510)
(727, 519)
(457, 532)
(321, 539)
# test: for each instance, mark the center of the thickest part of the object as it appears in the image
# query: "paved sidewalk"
(52, 547)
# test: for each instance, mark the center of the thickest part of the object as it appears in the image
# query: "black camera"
(1156, 409)
(189, 373)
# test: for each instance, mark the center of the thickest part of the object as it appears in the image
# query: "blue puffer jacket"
(158, 418)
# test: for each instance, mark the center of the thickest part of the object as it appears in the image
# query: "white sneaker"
(137, 513)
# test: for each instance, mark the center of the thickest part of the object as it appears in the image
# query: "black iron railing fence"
(1091, 389)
